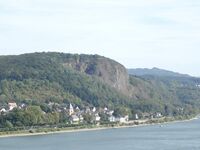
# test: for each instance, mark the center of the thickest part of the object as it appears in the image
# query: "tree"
(121, 111)
(33, 115)
(87, 118)
(104, 117)
(8, 124)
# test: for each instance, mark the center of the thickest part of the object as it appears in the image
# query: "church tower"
(71, 109)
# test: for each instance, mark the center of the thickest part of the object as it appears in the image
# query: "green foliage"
(44, 77)
(121, 111)
(166, 94)
(104, 117)
(87, 118)
(32, 116)
(40, 78)
(52, 118)
(8, 124)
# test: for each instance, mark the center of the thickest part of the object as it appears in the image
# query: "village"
(75, 115)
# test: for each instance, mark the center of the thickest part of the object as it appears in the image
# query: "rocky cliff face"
(109, 71)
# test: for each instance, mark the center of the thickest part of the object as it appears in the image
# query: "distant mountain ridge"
(155, 72)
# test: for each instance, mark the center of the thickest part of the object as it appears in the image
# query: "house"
(79, 115)
(136, 117)
(94, 109)
(146, 115)
(158, 115)
(97, 117)
(22, 106)
(58, 110)
(12, 105)
(198, 85)
(87, 110)
(77, 109)
(123, 119)
(81, 118)
(105, 109)
(110, 112)
(53, 105)
(74, 119)
(2, 110)
(112, 118)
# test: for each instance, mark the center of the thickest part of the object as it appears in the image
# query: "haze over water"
(173, 136)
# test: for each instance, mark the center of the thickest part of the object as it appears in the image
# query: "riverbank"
(131, 124)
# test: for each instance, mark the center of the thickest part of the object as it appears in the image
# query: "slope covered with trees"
(92, 80)
(155, 72)
(45, 77)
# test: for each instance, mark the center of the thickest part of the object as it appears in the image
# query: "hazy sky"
(137, 33)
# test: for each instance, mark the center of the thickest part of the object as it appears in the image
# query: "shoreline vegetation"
(130, 124)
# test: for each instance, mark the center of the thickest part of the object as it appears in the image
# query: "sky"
(136, 33)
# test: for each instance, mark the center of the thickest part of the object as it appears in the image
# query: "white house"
(112, 118)
(97, 117)
(105, 109)
(81, 118)
(123, 119)
(21, 106)
(77, 109)
(94, 109)
(158, 115)
(3, 110)
(12, 105)
(136, 117)
(198, 85)
(74, 119)
(110, 113)
(87, 110)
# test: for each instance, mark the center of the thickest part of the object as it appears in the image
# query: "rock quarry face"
(109, 71)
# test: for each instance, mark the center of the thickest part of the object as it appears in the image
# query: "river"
(172, 136)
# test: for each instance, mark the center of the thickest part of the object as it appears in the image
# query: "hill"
(93, 80)
(155, 72)
(61, 77)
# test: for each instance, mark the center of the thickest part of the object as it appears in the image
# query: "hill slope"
(155, 72)
(92, 80)
(32, 76)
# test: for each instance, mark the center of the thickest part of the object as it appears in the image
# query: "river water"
(172, 136)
